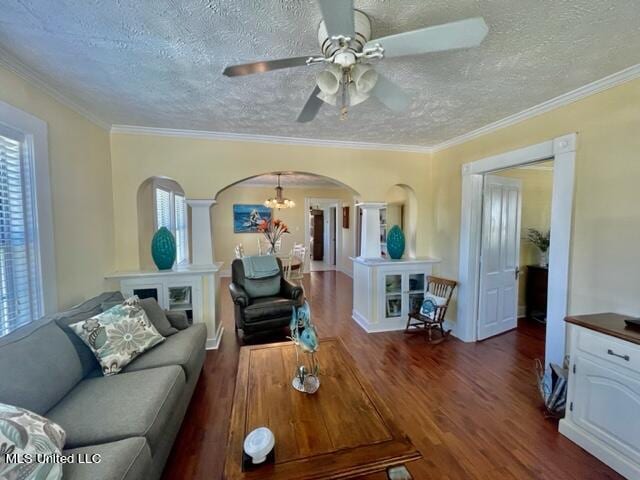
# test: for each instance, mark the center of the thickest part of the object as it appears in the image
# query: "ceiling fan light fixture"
(329, 79)
(330, 99)
(355, 95)
(364, 77)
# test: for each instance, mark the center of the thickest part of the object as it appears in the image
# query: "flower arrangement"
(273, 231)
(539, 238)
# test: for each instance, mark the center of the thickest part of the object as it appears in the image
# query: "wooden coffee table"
(342, 431)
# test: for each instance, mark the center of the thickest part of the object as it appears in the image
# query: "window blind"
(180, 207)
(20, 282)
(163, 208)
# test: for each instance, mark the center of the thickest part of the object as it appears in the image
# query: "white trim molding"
(36, 133)
(563, 151)
(270, 139)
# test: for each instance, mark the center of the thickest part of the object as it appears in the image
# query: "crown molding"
(272, 139)
(14, 65)
(613, 80)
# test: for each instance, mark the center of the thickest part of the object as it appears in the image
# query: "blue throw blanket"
(260, 266)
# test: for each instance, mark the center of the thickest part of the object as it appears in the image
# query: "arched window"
(170, 207)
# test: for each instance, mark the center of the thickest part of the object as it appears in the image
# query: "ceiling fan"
(348, 54)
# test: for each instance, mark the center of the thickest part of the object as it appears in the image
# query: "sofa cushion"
(178, 319)
(39, 366)
(157, 316)
(128, 459)
(266, 308)
(106, 409)
(182, 349)
(80, 312)
(118, 335)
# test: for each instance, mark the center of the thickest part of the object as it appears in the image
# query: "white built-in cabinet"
(192, 289)
(385, 291)
(603, 399)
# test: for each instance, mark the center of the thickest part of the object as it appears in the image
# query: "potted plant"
(541, 239)
(273, 231)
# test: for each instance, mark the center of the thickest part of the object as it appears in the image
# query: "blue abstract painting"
(247, 217)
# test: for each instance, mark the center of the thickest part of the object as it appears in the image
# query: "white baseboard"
(214, 343)
(346, 272)
(225, 273)
(522, 310)
(400, 324)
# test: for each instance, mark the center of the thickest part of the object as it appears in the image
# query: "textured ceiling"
(290, 180)
(158, 63)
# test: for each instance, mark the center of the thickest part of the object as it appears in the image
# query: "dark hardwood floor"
(471, 409)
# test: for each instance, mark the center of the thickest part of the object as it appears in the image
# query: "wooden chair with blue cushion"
(430, 316)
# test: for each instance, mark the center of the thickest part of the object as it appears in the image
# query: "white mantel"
(175, 271)
(203, 282)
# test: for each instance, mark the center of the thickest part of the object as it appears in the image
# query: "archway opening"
(401, 210)
(312, 194)
(161, 202)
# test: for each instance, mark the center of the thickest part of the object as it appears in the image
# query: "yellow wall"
(222, 218)
(81, 190)
(604, 273)
(537, 186)
(204, 166)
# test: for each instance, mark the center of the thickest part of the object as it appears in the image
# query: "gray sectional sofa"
(130, 419)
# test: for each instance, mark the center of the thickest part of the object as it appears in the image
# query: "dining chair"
(296, 263)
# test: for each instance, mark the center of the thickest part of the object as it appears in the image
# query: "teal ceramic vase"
(163, 249)
(395, 242)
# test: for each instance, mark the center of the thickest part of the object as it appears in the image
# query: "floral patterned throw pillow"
(118, 335)
(27, 441)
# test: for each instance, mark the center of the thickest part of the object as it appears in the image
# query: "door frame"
(563, 151)
(325, 202)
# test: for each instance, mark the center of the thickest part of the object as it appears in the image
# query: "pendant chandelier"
(279, 202)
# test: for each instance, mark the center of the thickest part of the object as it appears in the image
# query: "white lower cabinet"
(385, 291)
(603, 414)
(193, 290)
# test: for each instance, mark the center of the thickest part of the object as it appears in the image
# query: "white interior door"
(499, 256)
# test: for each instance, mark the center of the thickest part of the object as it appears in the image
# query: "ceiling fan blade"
(311, 108)
(338, 17)
(449, 36)
(390, 94)
(264, 66)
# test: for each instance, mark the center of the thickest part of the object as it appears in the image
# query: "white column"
(201, 237)
(370, 236)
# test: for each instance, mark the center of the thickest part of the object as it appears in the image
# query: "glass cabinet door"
(393, 295)
(180, 298)
(417, 285)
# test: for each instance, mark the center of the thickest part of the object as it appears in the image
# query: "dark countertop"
(609, 324)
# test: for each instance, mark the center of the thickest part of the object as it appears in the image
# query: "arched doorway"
(306, 190)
